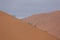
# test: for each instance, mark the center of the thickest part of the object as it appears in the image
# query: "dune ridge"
(49, 22)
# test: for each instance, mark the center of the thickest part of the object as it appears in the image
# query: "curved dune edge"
(49, 22)
(15, 29)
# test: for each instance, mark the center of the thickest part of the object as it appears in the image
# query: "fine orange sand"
(12, 28)
(49, 22)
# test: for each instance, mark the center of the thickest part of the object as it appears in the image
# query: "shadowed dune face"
(49, 22)
(14, 29)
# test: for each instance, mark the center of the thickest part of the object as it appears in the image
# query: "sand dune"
(49, 22)
(12, 28)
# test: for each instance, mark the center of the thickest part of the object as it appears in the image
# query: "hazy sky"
(24, 8)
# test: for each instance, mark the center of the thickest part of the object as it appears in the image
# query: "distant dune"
(49, 22)
(12, 28)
